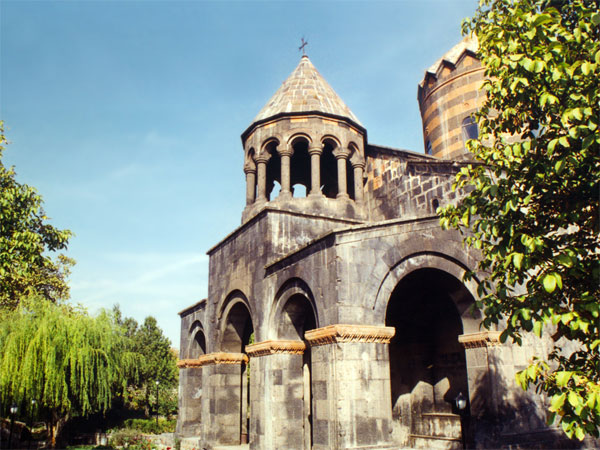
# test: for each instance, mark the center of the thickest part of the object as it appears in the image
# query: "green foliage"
(158, 363)
(69, 362)
(25, 238)
(149, 426)
(532, 206)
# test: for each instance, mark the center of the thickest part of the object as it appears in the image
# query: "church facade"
(337, 316)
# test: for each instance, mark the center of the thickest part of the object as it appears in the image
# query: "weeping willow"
(65, 359)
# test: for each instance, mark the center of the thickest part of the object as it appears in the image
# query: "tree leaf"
(549, 283)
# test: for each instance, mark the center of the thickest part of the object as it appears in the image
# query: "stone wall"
(400, 185)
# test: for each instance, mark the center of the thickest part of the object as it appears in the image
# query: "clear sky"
(126, 116)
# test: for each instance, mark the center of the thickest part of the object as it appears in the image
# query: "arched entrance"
(238, 333)
(295, 317)
(427, 363)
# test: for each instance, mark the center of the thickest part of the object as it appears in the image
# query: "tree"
(158, 363)
(26, 269)
(533, 193)
(69, 362)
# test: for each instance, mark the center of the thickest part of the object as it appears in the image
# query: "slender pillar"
(286, 155)
(261, 163)
(250, 184)
(358, 181)
(341, 167)
(315, 171)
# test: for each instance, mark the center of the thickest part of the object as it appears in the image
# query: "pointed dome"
(305, 90)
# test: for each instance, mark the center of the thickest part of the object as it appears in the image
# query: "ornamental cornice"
(350, 333)
(188, 363)
(212, 359)
(480, 339)
(272, 347)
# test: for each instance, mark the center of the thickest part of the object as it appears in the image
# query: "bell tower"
(305, 151)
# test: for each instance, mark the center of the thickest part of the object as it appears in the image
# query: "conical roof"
(305, 90)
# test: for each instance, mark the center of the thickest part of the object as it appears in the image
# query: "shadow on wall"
(505, 416)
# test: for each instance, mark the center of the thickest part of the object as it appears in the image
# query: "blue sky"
(126, 116)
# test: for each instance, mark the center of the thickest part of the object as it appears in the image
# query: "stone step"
(435, 442)
(438, 424)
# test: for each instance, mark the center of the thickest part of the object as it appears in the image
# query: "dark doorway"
(427, 363)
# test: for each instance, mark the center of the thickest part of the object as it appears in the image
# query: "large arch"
(236, 332)
(293, 306)
(406, 264)
(294, 314)
(429, 309)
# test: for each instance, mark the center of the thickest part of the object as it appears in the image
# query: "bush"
(150, 426)
(131, 439)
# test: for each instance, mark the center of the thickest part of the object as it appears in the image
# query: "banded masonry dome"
(309, 146)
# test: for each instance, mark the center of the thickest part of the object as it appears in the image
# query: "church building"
(337, 316)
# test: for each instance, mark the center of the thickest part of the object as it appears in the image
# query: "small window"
(469, 129)
(428, 149)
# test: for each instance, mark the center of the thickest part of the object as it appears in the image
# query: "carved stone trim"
(481, 339)
(188, 363)
(350, 333)
(271, 347)
(213, 358)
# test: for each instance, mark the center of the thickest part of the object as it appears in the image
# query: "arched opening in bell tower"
(273, 184)
(427, 363)
(300, 168)
(329, 174)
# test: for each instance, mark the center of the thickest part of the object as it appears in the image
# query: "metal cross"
(304, 44)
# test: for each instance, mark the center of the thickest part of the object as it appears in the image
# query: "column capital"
(262, 158)
(272, 347)
(357, 164)
(285, 151)
(249, 168)
(341, 153)
(332, 334)
(315, 150)
(480, 339)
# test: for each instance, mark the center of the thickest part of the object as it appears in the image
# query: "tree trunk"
(55, 427)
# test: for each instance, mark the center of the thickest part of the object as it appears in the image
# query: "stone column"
(278, 373)
(222, 404)
(315, 171)
(351, 386)
(358, 181)
(261, 163)
(286, 155)
(189, 418)
(341, 157)
(484, 381)
(250, 184)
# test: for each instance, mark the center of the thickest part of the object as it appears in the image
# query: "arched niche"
(197, 342)
(236, 327)
(294, 311)
(427, 363)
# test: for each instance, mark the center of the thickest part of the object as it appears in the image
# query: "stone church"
(337, 316)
